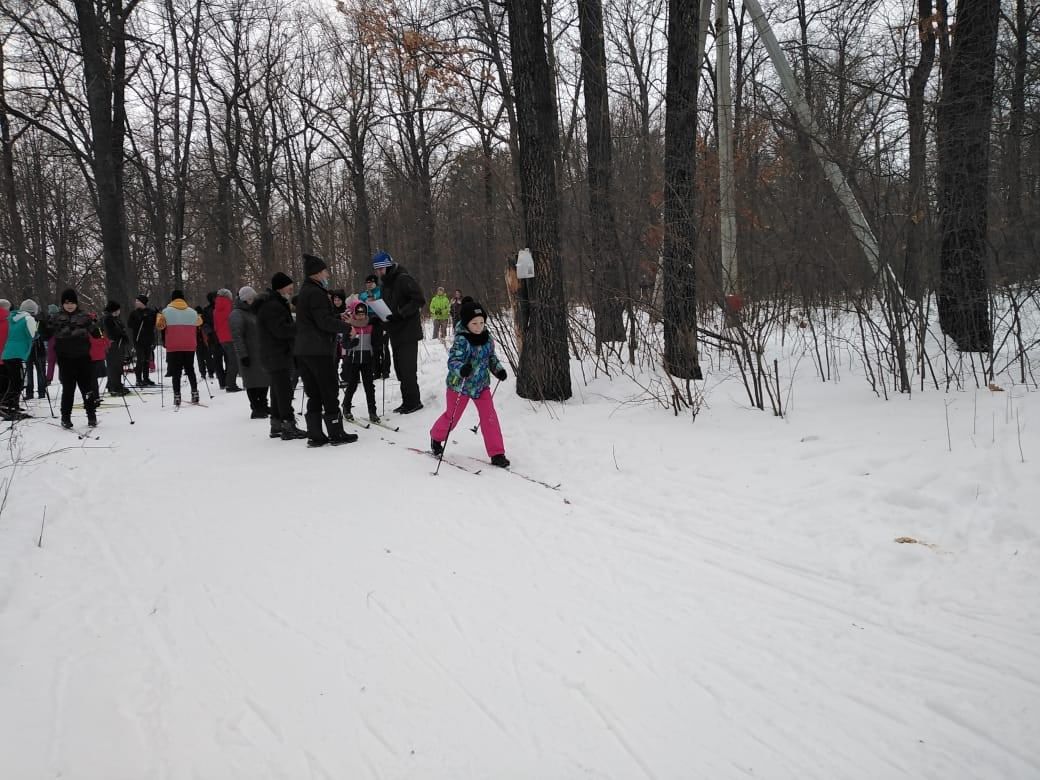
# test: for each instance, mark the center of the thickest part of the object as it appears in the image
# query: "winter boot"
(315, 436)
(66, 421)
(276, 429)
(336, 434)
(373, 417)
(290, 431)
(91, 418)
(194, 396)
(500, 460)
(436, 447)
(176, 399)
(90, 405)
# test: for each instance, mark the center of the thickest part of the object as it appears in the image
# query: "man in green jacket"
(440, 310)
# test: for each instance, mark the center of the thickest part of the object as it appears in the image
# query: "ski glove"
(465, 370)
(244, 360)
(501, 375)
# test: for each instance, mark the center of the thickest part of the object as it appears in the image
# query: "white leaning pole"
(860, 227)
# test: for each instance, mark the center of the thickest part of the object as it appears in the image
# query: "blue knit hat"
(382, 260)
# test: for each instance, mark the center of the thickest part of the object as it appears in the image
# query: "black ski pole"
(47, 391)
(494, 390)
(127, 406)
(162, 377)
(451, 424)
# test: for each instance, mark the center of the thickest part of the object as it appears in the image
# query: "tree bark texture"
(965, 110)
(603, 236)
(680, 168)
(544, 372)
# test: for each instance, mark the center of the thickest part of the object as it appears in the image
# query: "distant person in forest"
(440, 311)
(456, 309)
(21, 331)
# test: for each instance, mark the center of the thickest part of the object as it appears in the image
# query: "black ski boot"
(276, 429)
(315, 435)
(66, 421)
(436, 447)
(90, 405)
(176, 399)
(290, 431)
(194, 396)
(372, 415)
(337, 435)
(500, 460)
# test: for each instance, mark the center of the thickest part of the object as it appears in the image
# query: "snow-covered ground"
(715, 599)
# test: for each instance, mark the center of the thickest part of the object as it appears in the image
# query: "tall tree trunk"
(1016, 127)
(544, 372)
(603, 237)
(19, 246)
(104, 69)
(965, 110)
(362, 221)
(680, 167)
(918, 223)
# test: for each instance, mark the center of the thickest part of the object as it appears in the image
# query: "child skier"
(471, 360)
(358, 360)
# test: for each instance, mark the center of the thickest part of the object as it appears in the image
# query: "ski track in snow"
(719, 600)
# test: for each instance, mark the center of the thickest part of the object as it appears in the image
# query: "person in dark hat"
(404, 297)
(141, 324)
(71, 329)
(317, 326)
(115, 332)
(277, 333)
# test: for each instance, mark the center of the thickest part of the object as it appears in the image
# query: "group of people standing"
(274, 339)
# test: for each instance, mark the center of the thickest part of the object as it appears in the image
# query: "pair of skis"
(80, 433)
(366, 424)
(471, 464)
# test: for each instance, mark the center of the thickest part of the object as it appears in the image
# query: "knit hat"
(112, 306)
(358, 306)
(224, 292)
(313, 265)
(247, 294)
(176, 294)
(143, 299)
(30, 306)
(372, 278)
(69, 296)
(5, 304)
(382, 260)
(469, 310)
(280, 281)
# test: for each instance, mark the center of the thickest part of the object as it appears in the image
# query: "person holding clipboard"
(400, 308)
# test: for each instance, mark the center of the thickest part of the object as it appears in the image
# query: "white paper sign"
(378, 308)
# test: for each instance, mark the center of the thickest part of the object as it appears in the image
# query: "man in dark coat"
(114, 330)
(277, 333)
(317, 326)
(141, 325)
(404, 326)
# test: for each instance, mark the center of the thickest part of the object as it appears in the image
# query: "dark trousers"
(182, 362)
(142, 368)
(381, 351)
(11, 385)
(355, 373)
(318, 373)
(406, 358)
(114, 366)
(281, 395)
(36, 369)
(215, 361)
(231, 363)
(78, 372)
(257, 399)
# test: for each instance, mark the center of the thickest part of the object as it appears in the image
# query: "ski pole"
(47, 391)
(162, 377)
(451, 424)
(127, 406)
(494, 390)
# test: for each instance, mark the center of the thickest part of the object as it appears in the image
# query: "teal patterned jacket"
(478, 351)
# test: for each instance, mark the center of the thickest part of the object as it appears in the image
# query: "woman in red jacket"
(222, 306)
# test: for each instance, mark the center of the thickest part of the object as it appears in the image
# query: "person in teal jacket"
(22, 331)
